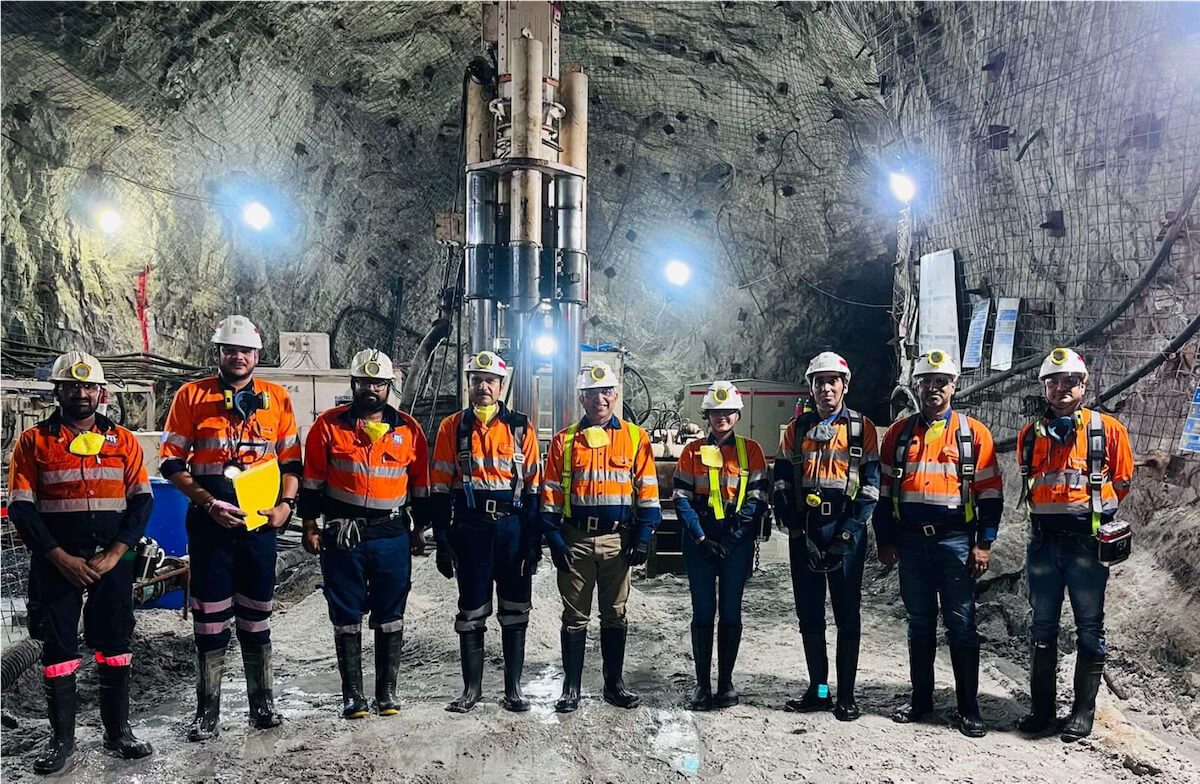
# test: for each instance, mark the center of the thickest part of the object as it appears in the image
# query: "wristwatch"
(291, 502)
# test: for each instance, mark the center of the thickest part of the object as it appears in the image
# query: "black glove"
(445, 554)
(562, 560)
(713, 551)
(638, 551)
(533, 554)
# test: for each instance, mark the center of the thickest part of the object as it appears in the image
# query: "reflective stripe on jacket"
(1059, 472)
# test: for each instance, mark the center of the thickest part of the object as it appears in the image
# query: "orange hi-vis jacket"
(203, 436)
(61, 499)
(611, 486)
(929, 480)
(824, 466)
(1057, 475)
(742, 489)
(348, 476)
(493, 459)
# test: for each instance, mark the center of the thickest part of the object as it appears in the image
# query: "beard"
(78, 409)
(369, 403)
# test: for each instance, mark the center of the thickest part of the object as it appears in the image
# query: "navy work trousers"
(933, 570)
(233, 577)
(375, 576)
(488, 552)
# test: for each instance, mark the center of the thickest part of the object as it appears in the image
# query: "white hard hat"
(828, 362)
(236, 331)
(372, 363)
(936, 361)
(487, 362)
(1063, 360)
(597, 375)
(77, 366)
(721, 396)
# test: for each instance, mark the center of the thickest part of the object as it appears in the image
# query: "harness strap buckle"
(856, 451)
(1096, 479)
(593, 524)
(490, 506)
(929, 530)
(826, 508)
(897, 472)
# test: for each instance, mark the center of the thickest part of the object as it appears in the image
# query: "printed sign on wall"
(979, 317)
(938, 314)
(1007, 309)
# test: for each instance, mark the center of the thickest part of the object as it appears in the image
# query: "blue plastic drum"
(167, 527)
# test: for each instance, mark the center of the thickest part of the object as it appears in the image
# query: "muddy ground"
(1143, 734)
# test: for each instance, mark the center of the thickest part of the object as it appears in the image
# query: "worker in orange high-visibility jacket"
(938, 514)
(366, 472)
(218, 427)
(599, 510)
(80, 498)
(719, 530)
(826, 485)
(485, 484)
(1076, 464)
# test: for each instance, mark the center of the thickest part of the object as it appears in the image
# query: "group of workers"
(367, 487)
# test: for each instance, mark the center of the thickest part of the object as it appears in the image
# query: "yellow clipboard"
(257, 488)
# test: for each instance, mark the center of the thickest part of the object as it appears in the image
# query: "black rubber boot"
(574, 644)
(387, 665)
(470, 647)
(210, 668)
(846, 708)
(512, 640)
(260, 685)
(966, 689)
(60, 707)
(1089, 670)
(921, 655)
(1043, 690)
(729, 639)
(114, 714)
(702, 650)
(817, 659)
(349, 658)
(612, 653)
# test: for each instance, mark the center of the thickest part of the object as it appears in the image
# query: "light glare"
(545, 345)
(109, 220)
(678, 273)
(903, 187)
(256, 216)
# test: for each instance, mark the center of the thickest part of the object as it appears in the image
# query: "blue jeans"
(934, 568)
(1070, 561)
(490, 552)
(703, 579)
(845, 583)
(375, 576)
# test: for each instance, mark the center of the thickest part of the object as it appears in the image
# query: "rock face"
(727, 135)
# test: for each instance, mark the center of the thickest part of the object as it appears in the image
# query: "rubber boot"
(612, 653)
(966, 689)
(114, 714)
(260, 685)
(846, 708)
(729, 639)
(210, 668)
(1043, 690)
(921, 655)
(1089, 670)
(574, 644)
(702, 649)
(60, 707)
(816, 697)
(470, 647)
(512, 641)
(387, 665)
(349, 658)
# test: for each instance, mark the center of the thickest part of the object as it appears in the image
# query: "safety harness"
(1096, 448)
(569, 469)
(516, 424)
(854, 426)
(714, 478)
(965, 467)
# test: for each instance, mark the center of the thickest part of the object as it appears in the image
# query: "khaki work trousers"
(597, 562)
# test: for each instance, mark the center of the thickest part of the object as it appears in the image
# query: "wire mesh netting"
(1058, 144)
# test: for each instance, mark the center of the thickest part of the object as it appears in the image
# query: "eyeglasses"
(825, 381)
(86, 386)
(1063, 380)
(370, 384)
(605, 392)
(934, 382)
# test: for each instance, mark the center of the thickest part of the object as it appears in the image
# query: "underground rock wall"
(739, 137)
